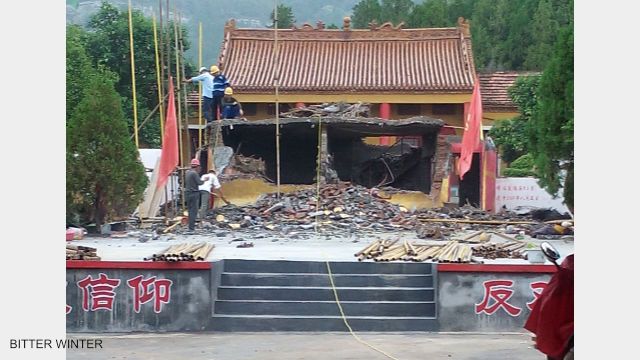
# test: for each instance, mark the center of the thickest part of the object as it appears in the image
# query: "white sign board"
(514, 192)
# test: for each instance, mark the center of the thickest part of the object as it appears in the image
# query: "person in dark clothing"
(192, 193)
(220, 83)
(231, 108)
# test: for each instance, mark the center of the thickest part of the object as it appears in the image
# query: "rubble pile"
(248, 165)
(76, 252)
(341, 206)
(330, 109)
(183, 252)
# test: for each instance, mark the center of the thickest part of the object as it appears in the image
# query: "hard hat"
(202, 69)
(228, 91)
(214, 69)
(195, 162)
(566, 224)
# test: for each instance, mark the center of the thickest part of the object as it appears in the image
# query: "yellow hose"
(344, 318)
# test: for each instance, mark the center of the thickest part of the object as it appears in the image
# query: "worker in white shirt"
(211, 186)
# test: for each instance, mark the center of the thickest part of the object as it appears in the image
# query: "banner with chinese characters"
(117, 300)
(525, 192)
(487, 301)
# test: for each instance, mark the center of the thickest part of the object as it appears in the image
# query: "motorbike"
(551, 319)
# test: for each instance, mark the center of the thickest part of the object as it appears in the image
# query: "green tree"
(108, 45)
(105, 178)
(396, 11)
(545, 28)
(459, 8)
(521, 167)
(511, 135)
(285, 17)
(78, 67)
(366, 11)
(551, 130)
(430, 13)
(517, 33)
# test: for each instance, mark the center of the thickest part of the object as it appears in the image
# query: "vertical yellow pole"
(200, 85)
(158, 80)
(178, 82)
(276, 80)
(319, 165)
(133, 80)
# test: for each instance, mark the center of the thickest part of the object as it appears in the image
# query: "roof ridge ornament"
(463, 25)
(230, 24)
(346, 23)
(387, 26)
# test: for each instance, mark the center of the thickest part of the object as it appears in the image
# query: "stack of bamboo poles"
(75, 252)
(183, 252)
(387, 250)
(513, 250)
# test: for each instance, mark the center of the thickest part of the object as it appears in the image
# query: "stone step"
(320, 267)
(322, 280)
(326, 308)
(320, 323)
(325, 293)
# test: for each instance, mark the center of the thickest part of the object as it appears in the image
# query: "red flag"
(169, 155)
(472, 130)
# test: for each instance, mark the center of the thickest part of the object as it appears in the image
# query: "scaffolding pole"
(133, 80)
(200, 86)
(276, 79)
(158, 79)
(178, 85)
(184, 91)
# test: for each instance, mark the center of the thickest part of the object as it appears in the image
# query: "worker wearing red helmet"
(192, 193)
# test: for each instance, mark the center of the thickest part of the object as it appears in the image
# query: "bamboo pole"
(133, 80)
(148, 117)
(318, 171)
(168, 45)
(200, 86)
(178, 85)
(182, 66)
(276, 79)
(158, 78)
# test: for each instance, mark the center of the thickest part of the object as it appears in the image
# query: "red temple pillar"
(385, 113)
(488, 172)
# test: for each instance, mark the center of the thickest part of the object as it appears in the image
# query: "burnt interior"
(400, 165)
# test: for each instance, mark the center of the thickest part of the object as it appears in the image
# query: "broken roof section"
(384, 59)
(343, 127)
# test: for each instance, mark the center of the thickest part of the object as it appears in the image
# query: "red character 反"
(500, 292)
(146, 289)
(539, 286)
(100, 290)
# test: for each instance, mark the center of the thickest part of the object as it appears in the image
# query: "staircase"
(273, 295)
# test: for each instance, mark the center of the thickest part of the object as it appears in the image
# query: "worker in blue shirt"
(231, 108)
(207, 92)
(220, 83)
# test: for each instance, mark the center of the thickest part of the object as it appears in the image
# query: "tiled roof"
(494, 89)
(380, 59)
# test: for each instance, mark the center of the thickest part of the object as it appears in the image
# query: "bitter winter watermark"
(55, 343)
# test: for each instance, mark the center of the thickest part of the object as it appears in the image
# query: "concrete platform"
(267, 246)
